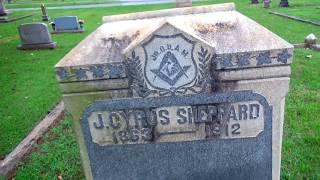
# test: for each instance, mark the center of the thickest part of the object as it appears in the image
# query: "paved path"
(121, 3)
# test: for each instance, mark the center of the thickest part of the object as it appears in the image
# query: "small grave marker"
(67, 24)
(35, 36)
(266, 3)
(284, 3)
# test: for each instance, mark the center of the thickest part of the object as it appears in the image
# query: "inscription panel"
(177, 123)
(207, 138)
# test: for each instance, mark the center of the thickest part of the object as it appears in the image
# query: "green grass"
(29, 90)
(60, 157)
(301, 128)
(307, 12)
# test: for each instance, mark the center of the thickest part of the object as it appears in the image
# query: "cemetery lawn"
(29, 90)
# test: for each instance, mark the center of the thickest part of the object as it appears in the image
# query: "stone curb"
(296, 18)
(12, 160)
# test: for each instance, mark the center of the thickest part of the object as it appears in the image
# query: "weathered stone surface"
(67, 24)
(183, 3)
(170, 12)
(237, 45)
(194, 95)
(35, 36)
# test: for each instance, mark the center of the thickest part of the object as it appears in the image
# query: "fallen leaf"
(60, 177)
(309, 56)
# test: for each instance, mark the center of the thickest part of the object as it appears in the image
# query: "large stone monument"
(188, 93)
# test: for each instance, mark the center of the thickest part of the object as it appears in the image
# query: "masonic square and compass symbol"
(170, 70)
(169, 62)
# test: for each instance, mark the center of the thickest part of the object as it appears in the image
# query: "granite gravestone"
(35, 36)
(187, 93)
(67, 24)
(183, 3)
(266, 3)
(3, 11)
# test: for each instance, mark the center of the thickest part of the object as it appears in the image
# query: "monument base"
(9, 18)
(4, 19)
(4, 13)
(52, 45)
(45, 18)
(68, 31)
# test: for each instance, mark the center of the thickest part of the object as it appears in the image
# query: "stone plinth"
(188, 93)
(183, 3)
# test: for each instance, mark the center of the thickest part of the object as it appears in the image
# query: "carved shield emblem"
(169, 63)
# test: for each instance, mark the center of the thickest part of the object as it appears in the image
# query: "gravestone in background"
(67, 24)
(3, 11)
(186, 93)
(284, 3)
(5, 14)
(35, 36)
(44, 11)
(183, 3)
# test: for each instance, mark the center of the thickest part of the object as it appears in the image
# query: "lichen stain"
(209, 28)
(115, 44)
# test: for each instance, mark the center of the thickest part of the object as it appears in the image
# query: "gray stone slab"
(35, 36)
(211, 158)
(67, 24)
